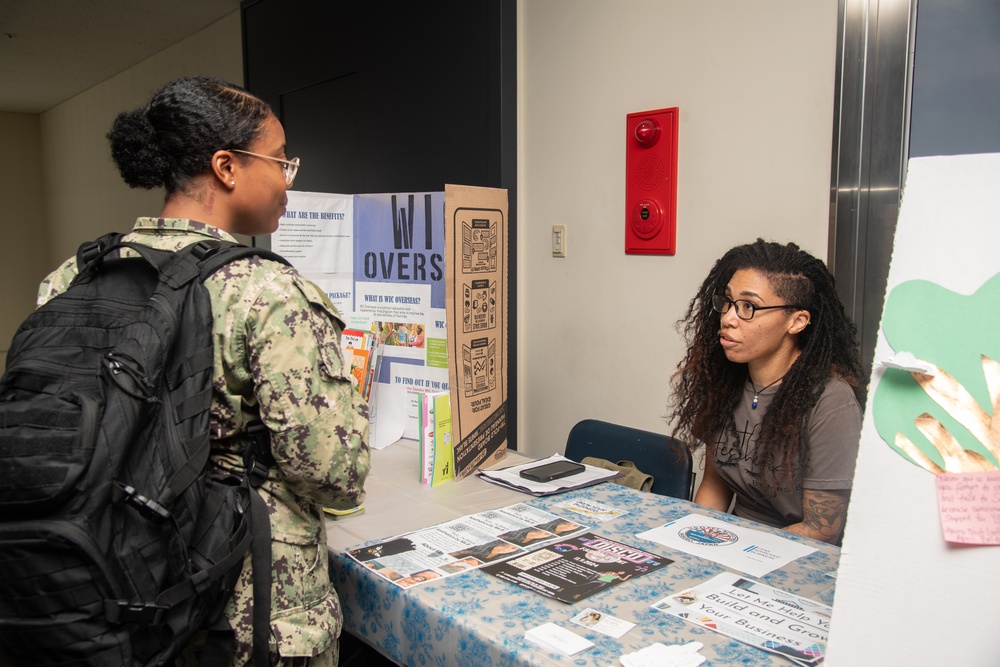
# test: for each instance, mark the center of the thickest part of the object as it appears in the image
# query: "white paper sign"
(745, 549)
(316, 233)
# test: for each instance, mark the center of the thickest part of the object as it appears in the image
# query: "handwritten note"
(969, 503)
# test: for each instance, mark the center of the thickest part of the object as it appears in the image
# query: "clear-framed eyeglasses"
(744, 309)
(288, 167)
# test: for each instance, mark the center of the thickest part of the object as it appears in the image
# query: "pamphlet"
(444, 452)
(754, 552)
(577, 567)
(426, 449)
(463, 544)
(755, 614)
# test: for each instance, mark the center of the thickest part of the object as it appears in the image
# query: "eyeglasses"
(744, 309)
(288, 167)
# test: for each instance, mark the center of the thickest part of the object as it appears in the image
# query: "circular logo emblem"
(599, 557)
(710, 536)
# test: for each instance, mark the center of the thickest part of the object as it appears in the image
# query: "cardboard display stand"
(476, 266)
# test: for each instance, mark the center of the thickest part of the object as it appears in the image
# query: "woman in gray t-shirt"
(769, 384)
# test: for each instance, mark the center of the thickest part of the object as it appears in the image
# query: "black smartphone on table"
(551, 471)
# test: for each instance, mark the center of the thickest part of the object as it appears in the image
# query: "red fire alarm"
(651, 182)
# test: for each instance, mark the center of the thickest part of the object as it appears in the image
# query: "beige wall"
(57, 181)
(754, 83)
(86, 195)
(24, 251)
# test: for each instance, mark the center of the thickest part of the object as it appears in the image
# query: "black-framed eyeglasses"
(288, 167)
(744, 309)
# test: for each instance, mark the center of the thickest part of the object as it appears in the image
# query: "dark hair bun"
(171, 140)
(135, 151)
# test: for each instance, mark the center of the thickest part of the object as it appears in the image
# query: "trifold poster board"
(384, 261)
(905, 595)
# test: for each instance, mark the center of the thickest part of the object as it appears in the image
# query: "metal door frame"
(870, 147)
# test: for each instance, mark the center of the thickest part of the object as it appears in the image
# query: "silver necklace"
(756, 391)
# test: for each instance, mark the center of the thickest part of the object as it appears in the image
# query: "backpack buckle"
(256, 471)
(144, 613)
(206, 248)
(92, 250)
(89, 253)
(257, 458)
(147, 507)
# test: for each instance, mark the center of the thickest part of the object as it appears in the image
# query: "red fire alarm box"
(651, 182)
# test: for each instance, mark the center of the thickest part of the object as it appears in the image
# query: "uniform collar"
(164, 226)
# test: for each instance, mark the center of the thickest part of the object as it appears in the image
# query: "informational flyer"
(476, 240)
(755, 614)
(754, 552)
(399, 290)
(576, 568)
(316, 234)
(463, 544)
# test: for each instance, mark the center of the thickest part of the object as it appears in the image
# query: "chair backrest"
(666, 459)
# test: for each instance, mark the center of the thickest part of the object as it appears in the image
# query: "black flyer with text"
(577, 567)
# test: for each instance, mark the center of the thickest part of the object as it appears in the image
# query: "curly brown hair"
(707, 386)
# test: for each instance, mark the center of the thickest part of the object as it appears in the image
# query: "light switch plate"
(558, 240)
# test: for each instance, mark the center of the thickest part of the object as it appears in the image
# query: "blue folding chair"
(666, 459)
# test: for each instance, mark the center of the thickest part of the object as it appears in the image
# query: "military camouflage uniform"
(277, 349)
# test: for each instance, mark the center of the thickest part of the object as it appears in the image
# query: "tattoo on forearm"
(825, 513)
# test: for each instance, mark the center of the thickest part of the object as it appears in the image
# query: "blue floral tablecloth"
(476, 620)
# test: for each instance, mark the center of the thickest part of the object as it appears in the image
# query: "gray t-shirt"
(831, 437)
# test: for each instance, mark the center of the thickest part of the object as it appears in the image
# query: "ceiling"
(51, 50)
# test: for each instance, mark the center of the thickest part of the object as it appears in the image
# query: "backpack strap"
(257, 458)
(175, 269)
(213, 254)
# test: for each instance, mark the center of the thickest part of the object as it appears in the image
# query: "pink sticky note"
(969, 503)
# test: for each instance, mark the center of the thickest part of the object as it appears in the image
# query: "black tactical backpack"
(118, 540)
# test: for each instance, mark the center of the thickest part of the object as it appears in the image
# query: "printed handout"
(754, 552)
(753, 613)
(577, 567)
(464, 544)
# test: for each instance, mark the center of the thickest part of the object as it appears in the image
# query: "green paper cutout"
(951, 331)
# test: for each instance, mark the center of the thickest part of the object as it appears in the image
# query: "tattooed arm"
(823, 515)
(713, 492)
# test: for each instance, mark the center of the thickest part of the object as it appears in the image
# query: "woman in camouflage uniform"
(220, 154)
